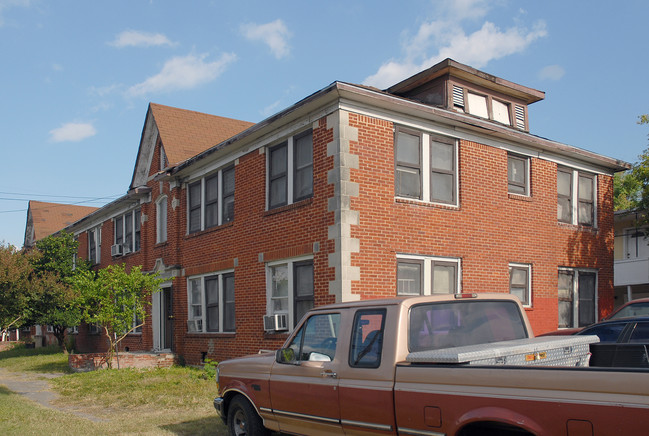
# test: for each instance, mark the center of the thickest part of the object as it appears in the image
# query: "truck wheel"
(243, 419)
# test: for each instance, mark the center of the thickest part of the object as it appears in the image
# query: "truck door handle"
(329, 373)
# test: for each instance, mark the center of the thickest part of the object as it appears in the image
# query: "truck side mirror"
(285, 355)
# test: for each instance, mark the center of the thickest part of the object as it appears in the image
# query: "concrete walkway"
(36, 387)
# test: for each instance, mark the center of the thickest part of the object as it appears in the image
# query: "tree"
(55, 266)
(116, 300)
(17, 292)
(631, 188)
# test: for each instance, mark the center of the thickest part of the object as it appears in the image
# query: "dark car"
(624, 342)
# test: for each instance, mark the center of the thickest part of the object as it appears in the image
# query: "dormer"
(458, 87)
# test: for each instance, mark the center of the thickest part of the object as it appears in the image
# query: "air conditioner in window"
(195, 325)
(126, 248)
(116, 250)
(276, 323)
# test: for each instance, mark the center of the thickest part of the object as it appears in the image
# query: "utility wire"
(61, 205)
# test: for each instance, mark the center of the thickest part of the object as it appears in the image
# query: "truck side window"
(316, 340)
(367, 338)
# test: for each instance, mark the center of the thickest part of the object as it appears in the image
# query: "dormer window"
(478, 105)
(454, 86)
(487, 107)
(500, 112)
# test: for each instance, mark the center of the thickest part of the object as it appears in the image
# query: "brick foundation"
(93, 361)
(7, 345)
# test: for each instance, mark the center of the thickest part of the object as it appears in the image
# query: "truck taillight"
(466, 295)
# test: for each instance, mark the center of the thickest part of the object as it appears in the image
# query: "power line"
(90, 200)
(45, 195)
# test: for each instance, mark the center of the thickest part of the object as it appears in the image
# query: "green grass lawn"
(126, 401)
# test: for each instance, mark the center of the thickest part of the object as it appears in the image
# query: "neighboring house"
(434, 185)
(44, 219)
(631, 257)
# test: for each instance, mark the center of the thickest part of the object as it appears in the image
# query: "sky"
(76, 76)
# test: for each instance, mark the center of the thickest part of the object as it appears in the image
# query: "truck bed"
(554, 351)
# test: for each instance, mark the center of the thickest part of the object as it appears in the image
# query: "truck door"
(304, 380)
(365, 385)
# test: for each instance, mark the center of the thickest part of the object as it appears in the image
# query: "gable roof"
(186, 133)
(44, 219)
(183, 133)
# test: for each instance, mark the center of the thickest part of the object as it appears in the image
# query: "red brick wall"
(92, 361)
(489, 230)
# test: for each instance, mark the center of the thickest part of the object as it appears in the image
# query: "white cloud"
(133, 38)
(8, 4)
(183, 73)
(72, 132)
(274, 34)
(447, 38)
(552, 72)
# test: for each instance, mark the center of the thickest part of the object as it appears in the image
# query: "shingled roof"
(186, 133)
(44, 219)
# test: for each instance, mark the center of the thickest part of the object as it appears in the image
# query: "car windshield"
(633, 309)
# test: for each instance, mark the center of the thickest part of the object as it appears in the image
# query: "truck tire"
(243, 419)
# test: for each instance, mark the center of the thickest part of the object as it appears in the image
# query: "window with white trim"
(211, 306)
(161, 219)
(577, 297)
(520, 282)
(94, 245)
(210, 201)
(576, 194)
(290, 170)
(427, 275)
(127, 231)
(428, 173)
(518, 174)
(290, 288)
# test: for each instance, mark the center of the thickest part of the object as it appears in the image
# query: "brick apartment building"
(434, 185)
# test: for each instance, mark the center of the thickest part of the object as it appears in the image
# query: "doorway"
(163, 319)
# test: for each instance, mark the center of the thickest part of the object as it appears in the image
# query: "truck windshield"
(454, 324)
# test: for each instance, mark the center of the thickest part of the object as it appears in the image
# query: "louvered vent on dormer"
(458, 98)
(520, 117)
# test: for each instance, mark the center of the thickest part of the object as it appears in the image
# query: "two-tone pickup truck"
(373, 367)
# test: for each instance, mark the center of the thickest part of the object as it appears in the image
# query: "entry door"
(167, 318)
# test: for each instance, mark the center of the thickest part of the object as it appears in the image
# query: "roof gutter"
(384, 100)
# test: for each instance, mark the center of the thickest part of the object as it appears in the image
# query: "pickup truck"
(347, 369)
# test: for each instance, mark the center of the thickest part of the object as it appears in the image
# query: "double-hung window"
(290, 289)
(518, 175)
(128, 230)
(425, 167)
(427, 275)
(211, 306)
(290, 170)
(577, 297)
(94, 245)
(576, 194)
(161, 219)
(211, 200)
(520, 279)
(408, 164)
